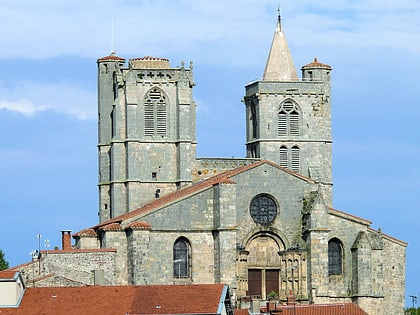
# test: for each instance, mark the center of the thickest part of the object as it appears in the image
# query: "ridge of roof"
(349, 216)
(111, 227)
(86, 233)
(317, 64)
(138, 225)
(390, 238)
(111, 57)
(175, 196)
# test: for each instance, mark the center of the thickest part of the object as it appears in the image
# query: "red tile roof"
(317, 64)
(150, 58)
(312, 309)
(139, 225)
(323, 309)
(221, 178)
(7, 274)
(151, 299)
(111, 57)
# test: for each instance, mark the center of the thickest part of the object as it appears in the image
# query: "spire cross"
(278, 15)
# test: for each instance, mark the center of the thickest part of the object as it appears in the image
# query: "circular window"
(263, 209)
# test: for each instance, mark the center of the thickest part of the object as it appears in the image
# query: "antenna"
(112, 37)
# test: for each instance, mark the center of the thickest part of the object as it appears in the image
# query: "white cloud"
(210, 30)
(23, 106)
(29, 98)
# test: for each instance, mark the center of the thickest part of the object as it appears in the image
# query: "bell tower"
(289, 119)
(146, 131)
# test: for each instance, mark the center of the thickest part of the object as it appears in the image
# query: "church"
(263, 224)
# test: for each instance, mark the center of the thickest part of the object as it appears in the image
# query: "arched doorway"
(263, 265)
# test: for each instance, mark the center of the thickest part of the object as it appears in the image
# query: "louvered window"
(254, 121)
(288, 119)
(155, 113)
(295, 164)
(335, 257)
(290, 158)
(283, 156)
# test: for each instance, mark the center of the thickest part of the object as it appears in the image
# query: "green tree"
(412, 311)
(3, 262)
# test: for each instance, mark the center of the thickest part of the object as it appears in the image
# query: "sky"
(48, 100)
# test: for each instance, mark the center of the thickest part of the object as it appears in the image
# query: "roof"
(150, 299)
(322, 309)
(316, 64)
(221, 178)
(7, 274)
(279, 66)
(112, 57)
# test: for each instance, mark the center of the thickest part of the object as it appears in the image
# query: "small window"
(154, 175)
(335, 257)
(182, 258)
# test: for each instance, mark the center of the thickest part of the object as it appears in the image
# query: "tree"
(3, 262)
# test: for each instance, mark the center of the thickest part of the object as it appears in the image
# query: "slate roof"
(150, 299)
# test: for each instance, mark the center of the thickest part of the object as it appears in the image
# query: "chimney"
(66, 240)
(291, 299)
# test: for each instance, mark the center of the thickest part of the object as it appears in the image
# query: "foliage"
(412, 311)
(272, 295)
(3, 263)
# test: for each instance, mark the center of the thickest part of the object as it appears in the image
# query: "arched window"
(284, 156)
(288, 119)
(295, 163)
(182, 258)
(290, 159)
(335, 257)
(155, 113)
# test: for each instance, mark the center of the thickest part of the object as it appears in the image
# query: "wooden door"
(254, 282)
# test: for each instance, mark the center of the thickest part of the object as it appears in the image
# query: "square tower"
(146, 131)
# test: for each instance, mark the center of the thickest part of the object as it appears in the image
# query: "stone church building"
(263, 224)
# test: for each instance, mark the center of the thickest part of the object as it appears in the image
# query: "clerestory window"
(288, 119)
(155, 113)
(335, 257)
(182, 258)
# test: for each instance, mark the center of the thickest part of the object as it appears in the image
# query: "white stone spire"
(279, 65)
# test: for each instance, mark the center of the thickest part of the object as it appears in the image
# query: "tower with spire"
(289, 119)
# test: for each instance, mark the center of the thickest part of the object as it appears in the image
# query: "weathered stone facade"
(262, 224)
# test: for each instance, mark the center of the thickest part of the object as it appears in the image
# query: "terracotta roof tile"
(86, 233)
(224, 177)
(7, 274)
(111, 227)
(139, 225)
(317, 64)
(150, 58)
(111, 57)
(324, 309)
(151, 299)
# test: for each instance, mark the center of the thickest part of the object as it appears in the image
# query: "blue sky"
(48, 158)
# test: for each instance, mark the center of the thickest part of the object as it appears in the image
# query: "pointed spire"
(279, 66)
